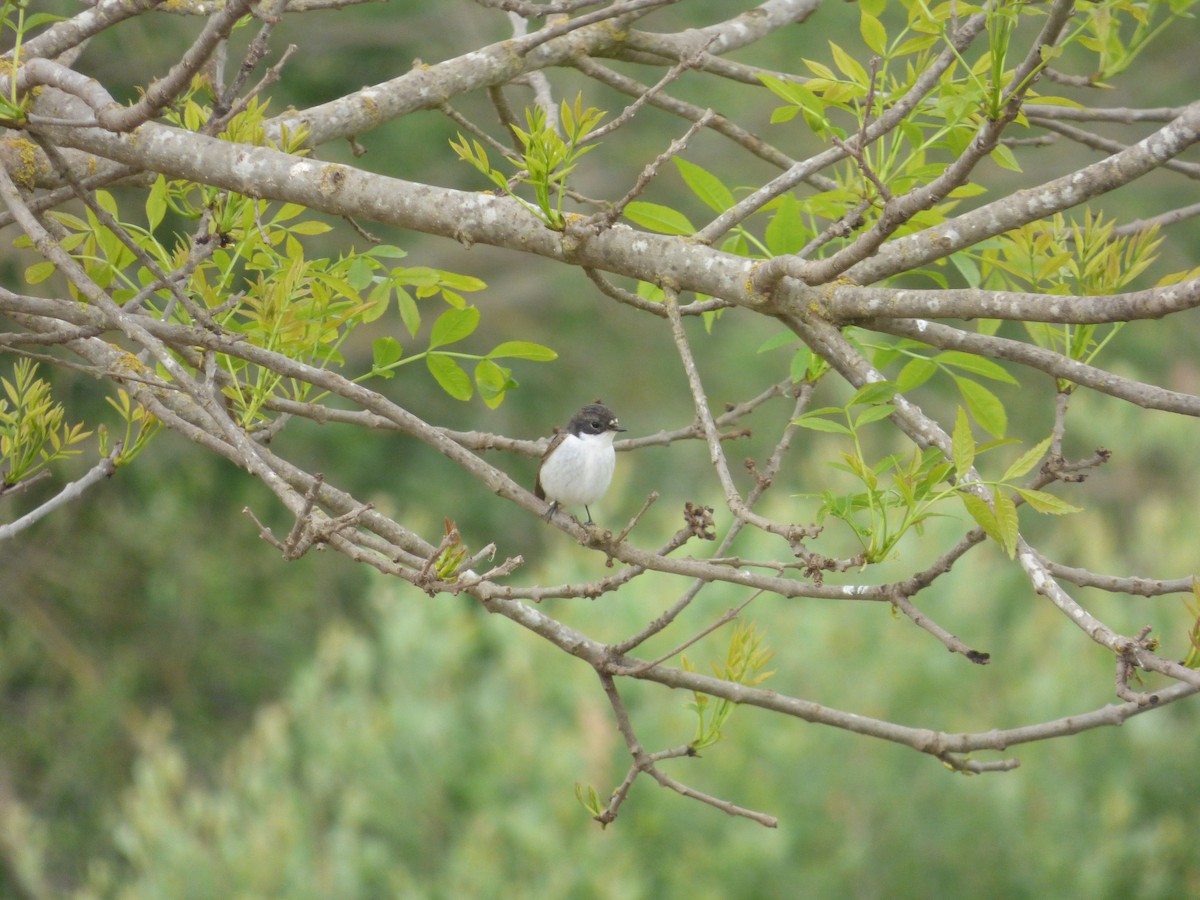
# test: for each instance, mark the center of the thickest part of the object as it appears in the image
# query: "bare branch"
(803, 171)
(848, 303)
(159, 94)
(1143, 395)
(692, 113)
(644, 762)
(605, 220)
(1097, 142)
(953, 644)
(1034, 203)
(72, 491)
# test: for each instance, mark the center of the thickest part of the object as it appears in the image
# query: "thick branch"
(1031, 204)
(1146, 396)
(847, 303)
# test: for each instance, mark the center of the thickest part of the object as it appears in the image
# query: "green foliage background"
(184, 715)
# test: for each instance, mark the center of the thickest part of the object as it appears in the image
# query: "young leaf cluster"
(1066, 257)
(547, 157)
(900, 492)
(747, 657)
(15, 22)
(259, 281)
(999, 519)
(1117, 31)
(841, 97)
(140, 427)
(33, 432)
(1192, 660)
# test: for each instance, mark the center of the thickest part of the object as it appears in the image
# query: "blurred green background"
(182, 714)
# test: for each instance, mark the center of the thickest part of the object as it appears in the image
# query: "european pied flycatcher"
(577, 467)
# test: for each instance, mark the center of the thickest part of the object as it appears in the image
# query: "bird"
(577, 467)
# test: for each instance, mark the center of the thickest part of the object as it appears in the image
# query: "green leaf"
(970, 189)
(793, 92)
(410, 315)
(460, 282)
(967, 268)
(982, 514)
(873, 33)
(493, 382)
(985, 406)
(450, 375)
(376, 303)
(775, 341)
(385, 351)
(651, 292)
(522, 350)
(156, 202)
(38, 19)
(936, 475)
(1047, 503)
(417, 276)
(786, 232)
(108, 203)
(916, 44)
(287, 212)
(782, 114)
(915, 373)
(849, 66)
(1007, 523)
(360, 274)
(386, 251)
(874, 414)
(1027, 460)
(824, 411)
(39, 272)
(983, 448)
(705, 185)
(816, 423)
(661, 219)
(977, 365)
(885, 354)
(962, 444)
(875, 392)
(453, 325)
(804, 365)
(1004, 158)
(311, 227)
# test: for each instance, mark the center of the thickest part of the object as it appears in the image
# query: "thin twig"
(791, 532)
(728, 616)
(952, 642)
(164, 90)
(629, 298)
(71, 491)
(644, 762)
(631, 110)
(1147, 396)
(692, 113)
(604, 220)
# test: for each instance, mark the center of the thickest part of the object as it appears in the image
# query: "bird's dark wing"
(558, 438)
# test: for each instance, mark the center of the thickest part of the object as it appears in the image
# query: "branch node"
(1127, 665)
(699, 521)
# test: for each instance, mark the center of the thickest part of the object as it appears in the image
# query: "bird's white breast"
(580, 469)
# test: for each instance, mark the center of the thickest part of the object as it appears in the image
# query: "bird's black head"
(595, 418)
